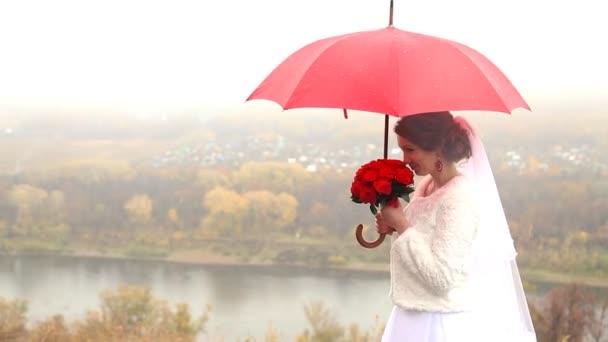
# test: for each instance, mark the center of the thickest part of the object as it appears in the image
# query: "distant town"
(560, 151)
(556, 159)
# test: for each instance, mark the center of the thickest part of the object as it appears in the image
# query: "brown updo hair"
(436, 131)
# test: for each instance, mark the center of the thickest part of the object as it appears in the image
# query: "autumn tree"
(139, 209)
(226, 213)
(275, 177)
(12, 319)
(40, 214)
(52, 329)
(131, 313)
(269, 212)
(323, 325)
(325, 328)
(28, 199)
(173, 218)
(207, 179)
(567, 315)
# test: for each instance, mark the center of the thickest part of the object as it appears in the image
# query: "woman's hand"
(394, 218)
(382, 227)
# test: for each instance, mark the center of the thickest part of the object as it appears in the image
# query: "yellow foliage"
(272, 176)
(26, 196)
(51, 330)
(323, 324)
(269, 212)
(12, 318)
(173, 217)
(39, 213)
(130, 313)
(178, 236)
(272, 335)
(226, 211)
(209, 179)
(222, 200)
(139, 208)
(582, 236)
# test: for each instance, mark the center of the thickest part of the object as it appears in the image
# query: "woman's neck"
(441, 178)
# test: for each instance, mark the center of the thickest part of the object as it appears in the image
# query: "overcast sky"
(172, 55)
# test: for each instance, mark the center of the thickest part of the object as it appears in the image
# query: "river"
(245, 300)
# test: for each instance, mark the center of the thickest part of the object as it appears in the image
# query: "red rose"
(394, 163)
(404, 176)
(368, 195)
(370, 176)
(355, 189)
(387, 172)
(383, 187)
(361, 172)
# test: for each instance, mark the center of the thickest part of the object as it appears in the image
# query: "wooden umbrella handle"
(362, 242)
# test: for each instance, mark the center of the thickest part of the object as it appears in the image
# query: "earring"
(438, 165)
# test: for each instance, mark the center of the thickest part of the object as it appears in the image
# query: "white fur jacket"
(431, 261)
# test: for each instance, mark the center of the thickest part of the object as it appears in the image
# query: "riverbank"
(204, 259)
(545, 276)
(195, 257)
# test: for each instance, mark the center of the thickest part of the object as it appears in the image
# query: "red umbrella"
(392, 72)
(389, 71)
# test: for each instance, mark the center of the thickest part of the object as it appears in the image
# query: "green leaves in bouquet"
(373, 209)
(402, 191)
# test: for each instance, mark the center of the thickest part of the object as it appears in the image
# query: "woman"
(453, 270)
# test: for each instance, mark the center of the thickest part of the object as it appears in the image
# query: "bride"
(452, 260)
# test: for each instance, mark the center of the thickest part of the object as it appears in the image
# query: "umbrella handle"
(362, 242)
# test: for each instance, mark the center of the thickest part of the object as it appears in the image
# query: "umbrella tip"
(390, 17)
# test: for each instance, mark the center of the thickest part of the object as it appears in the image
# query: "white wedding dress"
(421, 326)
(500, 312)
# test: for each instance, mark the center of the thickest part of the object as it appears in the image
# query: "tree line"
(558, 222)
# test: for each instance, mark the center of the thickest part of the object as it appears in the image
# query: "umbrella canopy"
(389, 71)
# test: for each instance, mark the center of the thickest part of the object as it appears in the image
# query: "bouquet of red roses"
(382, 182)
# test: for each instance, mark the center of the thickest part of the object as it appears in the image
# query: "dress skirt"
(421, 326)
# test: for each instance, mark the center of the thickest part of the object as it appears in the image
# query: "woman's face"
(420, 161)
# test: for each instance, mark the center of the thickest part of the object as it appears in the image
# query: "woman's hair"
(436, 131)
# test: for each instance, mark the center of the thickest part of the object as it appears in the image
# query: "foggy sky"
(168, 56)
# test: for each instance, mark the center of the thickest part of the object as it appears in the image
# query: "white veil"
(501, 308)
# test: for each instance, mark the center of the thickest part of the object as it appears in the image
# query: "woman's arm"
(438, 257)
